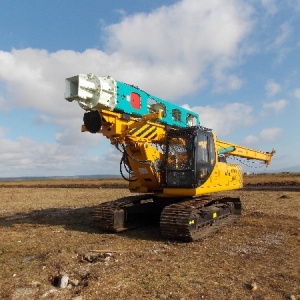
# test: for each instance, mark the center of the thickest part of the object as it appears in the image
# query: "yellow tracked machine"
(175, 166)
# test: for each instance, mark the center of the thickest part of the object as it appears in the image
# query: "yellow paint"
(224, 177)
(245, 152)
(141, 136)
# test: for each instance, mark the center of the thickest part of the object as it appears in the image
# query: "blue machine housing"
(136, 102)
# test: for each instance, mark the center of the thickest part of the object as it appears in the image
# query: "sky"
(235, 62)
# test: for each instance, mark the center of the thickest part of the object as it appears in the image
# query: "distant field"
(260, 179)
(67, 183)
(46, 230)
(282, 178)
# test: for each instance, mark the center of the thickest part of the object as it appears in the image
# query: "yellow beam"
(245, 152)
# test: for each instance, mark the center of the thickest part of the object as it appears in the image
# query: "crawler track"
(187, 220)
(126, 213)
(198, 218)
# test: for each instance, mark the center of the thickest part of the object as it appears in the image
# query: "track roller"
(195, 219)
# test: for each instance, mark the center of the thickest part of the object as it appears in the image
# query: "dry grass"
(282, 178)
(48, 231)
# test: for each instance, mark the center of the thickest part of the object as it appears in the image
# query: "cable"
(251, 167)
(123, 163)
(126, 164)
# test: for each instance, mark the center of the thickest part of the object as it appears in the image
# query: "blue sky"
(234, 62)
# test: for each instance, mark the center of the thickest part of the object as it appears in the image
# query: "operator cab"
(190, 157)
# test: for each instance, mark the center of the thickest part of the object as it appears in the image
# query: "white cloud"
(182, 41)
(270, 134)
(295, 4)
(276, 106)
(251, 140)
(270, 6)
(2, 132)
(226, 82)
(168, 52)
(297, 93)
(35, 78)
(266, 135)
(281, 42)
(2, 101)
(272, 88)
(209, 28)
(285, 31)
(26, 157)
(227, 119)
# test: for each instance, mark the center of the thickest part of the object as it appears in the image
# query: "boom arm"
(244, 152)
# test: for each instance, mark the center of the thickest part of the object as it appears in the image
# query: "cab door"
(205, 155)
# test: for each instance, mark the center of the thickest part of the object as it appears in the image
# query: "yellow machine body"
(224, 177)
(141, 138)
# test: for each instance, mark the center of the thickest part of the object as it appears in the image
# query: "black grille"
(180, 179)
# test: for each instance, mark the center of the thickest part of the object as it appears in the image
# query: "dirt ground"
(46, 230)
